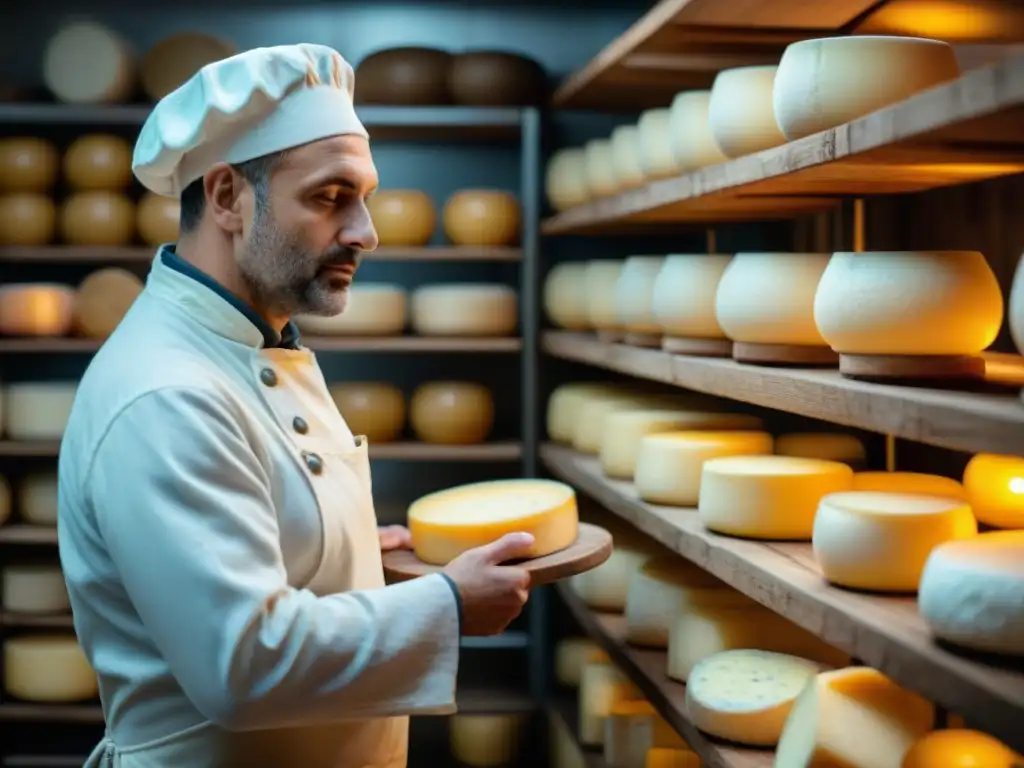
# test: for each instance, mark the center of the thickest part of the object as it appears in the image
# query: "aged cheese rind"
(740, 111)
(464, 309)
(373, 309)
(30, 588)
(47, 669)
(564, 407)
(683, 299)
(565, 296)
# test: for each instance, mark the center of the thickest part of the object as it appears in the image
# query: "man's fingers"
(508, 547)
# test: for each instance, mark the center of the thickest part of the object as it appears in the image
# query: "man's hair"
(256, 171)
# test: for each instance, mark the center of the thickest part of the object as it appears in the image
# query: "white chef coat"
(220, 547)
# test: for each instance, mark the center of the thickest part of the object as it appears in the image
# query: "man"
(217, 531)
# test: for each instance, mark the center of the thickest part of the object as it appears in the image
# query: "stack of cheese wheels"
(693, 145)
(47, 669)
(633, 293)
(103, 299)
(464, 309)
(175, 58)
(482, 217)
(879, 541)
(565, 179)
(600, 282)
(600, 168)
(669, 464)
(602, 686)
(767, 497)
(445, 524)
(156, 219)
(452, 412)
(683, 304)
(402, 217)
(828, 81)
(571, 654)
(589, 436)
(972, 592)
(374, 309)
(744, 696)
(704, 630)
(853, 716)
(564, 407)
(624, 431)
(657, 160)
(954, 746)
(606, 587)
(28, 173)
(632, 729)
(373, 409)
(626, 157)
(927, 304)
(111, 75)
(663, 589)
(765, 304)
(994, 486)
(565, 296)
(740, 112)
(485, 740)
(829, 446)
(34, 589)
(36, 309)
(37, 410)
(37, 498)
(98, 170)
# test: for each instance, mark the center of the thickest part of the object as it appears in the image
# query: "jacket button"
(299, 425)
(315, 463)
(268, 377)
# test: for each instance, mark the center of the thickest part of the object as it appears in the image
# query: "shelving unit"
(88, 254)
(316, 343)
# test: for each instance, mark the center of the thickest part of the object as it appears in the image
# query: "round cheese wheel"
(27, 219)
(880, 541)
(600, 282)
(37, 410)
(671, 757)
(605, 588)
(27, 164)
(683, 299)
(373, 309)
(740, 112)
(1015, 311)
(565, 179)
(47, 668)
(565, 296)
(175, 58)
(908, 482)
(465, 309)
(830, 446)
(36, 309)
(657, 159)
(626, 153)
(485, 740)
(693, 146)
(909, 303)
(768, 298)
(375, 410)
(669, 465)
(110, 76)
(634, 291)
(972, 592)
(602, 686)
(156, 219)
(37, 498)
(98, 161)
(97, 218)
(588, 435)
(483, 217)
(744, 696)
(995, 489)
(960, 748)
(452, 412)
(601, 178)
(402, 217)
(767, 497)
(34, 589)
(5, 500)
(624, 431)
(571, 654)
(827, 81)
(447, 523)
(664, 588)
(103, 299)
(564, 407)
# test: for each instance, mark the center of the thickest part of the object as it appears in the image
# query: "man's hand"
(394, 537)
(492, 594)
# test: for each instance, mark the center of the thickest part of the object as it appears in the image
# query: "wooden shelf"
(18, 533)
(964, 131)
(36, 621)
(962, 421)
(646, 668)
(85, 254)
(70, 345)
(884, 632)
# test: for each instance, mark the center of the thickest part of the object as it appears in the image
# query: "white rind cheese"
(626, 150)
(740, 112)
(47, 669)
(565, 180)
(600, 281)
(464, 309)
(601, 179)
(692, 143)
(657, 158)
(37, 410)
(564, 407)
(633, 294)
(565, 296)
(683, 299)
(34, 589)
(606, 587)
(110, 76)
(373, 309)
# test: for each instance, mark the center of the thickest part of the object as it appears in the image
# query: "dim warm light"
(995, 489)
(950, 20)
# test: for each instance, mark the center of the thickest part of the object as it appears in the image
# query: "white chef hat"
(257, 102)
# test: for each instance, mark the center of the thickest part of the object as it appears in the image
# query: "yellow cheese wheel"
(27, 164)
(959, 748)
(565, 296)
(667, 757)
(588, 435)
(486, 217)
(103, 299)
(830, 446)
(375, 410)
(34, 589)
(98, 161)
(683, 299)
(601, 178)
(37, 410)
(373, 309)
(445, 524)
(908, 482)
(36, 309)
(853, 716)
(110, 75)
(626, 154)
(692, 143)
(97, 218)
(602, 686)
(452, 412)
(571, 654)
(565, 179)
(564, 406)
(995, 488)
(27, 218)
(37, 498)
(656, 156)
(669, 464)
(156, 219)
(767, 497)
(47, 668)
(485, 740)
(175, 58)
(740, 112)
(600, 281)
(909, 303)
(402, 217)
(633, 293)
(634, 727)
(827, 81)
(464, 309)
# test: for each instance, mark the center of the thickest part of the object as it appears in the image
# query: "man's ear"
(226, 197)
